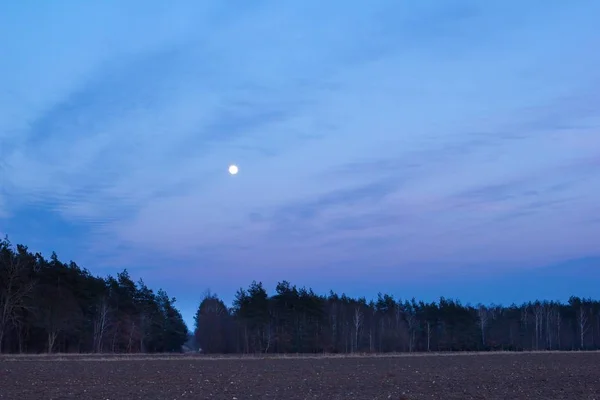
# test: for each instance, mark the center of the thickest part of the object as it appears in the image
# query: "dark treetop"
(47, 305)
(298, 320)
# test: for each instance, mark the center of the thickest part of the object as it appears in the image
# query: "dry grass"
(175, 357)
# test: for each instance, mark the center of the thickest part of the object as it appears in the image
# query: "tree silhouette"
(296, 320)
(51, 306)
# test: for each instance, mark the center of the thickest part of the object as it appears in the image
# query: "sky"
(418, 148)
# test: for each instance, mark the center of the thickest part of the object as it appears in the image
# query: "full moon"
(233, 169)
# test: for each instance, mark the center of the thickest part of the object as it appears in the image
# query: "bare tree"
(582, 321)
(59, 313)
(358, 321)
(333, 323)
(549, 314)
(101, 324)
(558, 321)
(267, 336)
(370, 323)
(429, 334)
(20, 328)
(524, 320)
(15, 285)
(538, 314)
(398, 314)
(413, 323)
(134, 335)
(482, 315)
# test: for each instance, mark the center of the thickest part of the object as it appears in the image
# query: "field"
(573, 376)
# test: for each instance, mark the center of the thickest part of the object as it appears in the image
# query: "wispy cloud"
(389, 132)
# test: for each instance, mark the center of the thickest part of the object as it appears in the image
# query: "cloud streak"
(390, 134)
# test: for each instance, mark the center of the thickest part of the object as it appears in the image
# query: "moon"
(233, 169)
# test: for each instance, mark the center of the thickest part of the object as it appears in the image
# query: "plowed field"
(573, 376)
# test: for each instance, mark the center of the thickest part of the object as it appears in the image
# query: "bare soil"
(572, 376)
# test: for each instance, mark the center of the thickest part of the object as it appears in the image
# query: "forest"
(51, 306)
(299, 321)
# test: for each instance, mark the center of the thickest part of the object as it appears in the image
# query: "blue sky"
(422, 148)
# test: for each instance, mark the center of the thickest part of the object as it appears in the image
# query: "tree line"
(51, 306)
(296, 320)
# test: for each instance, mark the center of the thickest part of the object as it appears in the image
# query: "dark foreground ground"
(573, 376)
